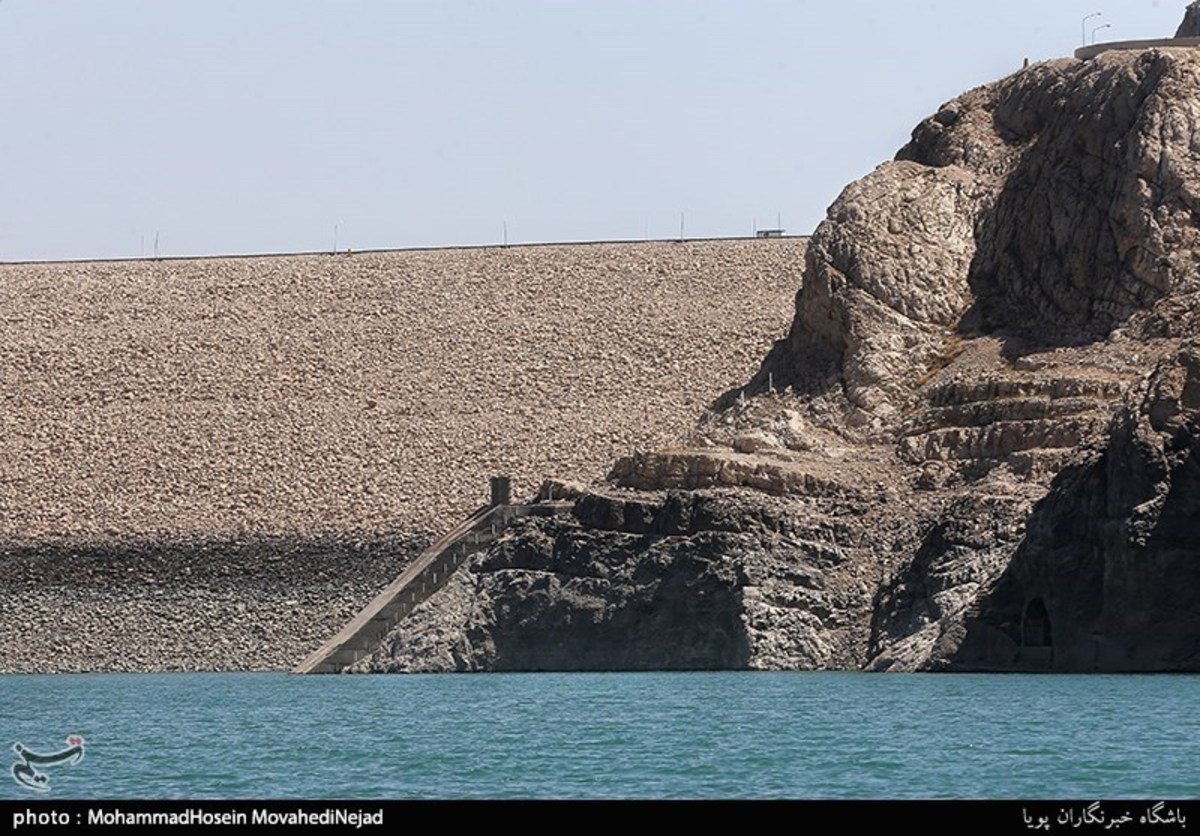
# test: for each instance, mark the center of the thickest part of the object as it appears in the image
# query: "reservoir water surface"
(595, 736)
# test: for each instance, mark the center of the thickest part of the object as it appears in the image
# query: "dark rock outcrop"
(681, 581)
(1108, 575)
(1190, 27)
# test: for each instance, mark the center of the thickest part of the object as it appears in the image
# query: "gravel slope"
(321, 416)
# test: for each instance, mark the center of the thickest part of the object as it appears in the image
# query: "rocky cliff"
(975, 448)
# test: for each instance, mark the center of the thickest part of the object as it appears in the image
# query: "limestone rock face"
(884, 276)
(1053, 205)
(976, 448)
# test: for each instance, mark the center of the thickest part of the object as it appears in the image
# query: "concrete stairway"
(427, 574)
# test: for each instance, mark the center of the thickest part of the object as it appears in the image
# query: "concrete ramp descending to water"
(427, 574)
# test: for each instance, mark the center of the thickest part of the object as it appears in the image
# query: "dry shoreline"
(209, 464)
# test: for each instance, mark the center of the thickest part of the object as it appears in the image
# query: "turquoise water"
(691, 735)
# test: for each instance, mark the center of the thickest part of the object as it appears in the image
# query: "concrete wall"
(1088, 52)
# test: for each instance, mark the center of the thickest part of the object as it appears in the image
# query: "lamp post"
(1083, 27)
(1098, 28)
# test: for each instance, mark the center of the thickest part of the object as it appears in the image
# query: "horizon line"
(383, 250)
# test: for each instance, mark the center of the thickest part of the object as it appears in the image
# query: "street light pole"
(1098, 28)
(1083, 27)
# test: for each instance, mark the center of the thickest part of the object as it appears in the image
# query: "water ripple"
(710, 735)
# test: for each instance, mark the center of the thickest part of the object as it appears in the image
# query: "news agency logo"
(26, 773)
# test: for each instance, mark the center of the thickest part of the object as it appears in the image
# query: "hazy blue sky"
(230, 126)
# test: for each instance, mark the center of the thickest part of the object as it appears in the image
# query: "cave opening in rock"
(1035, 627)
